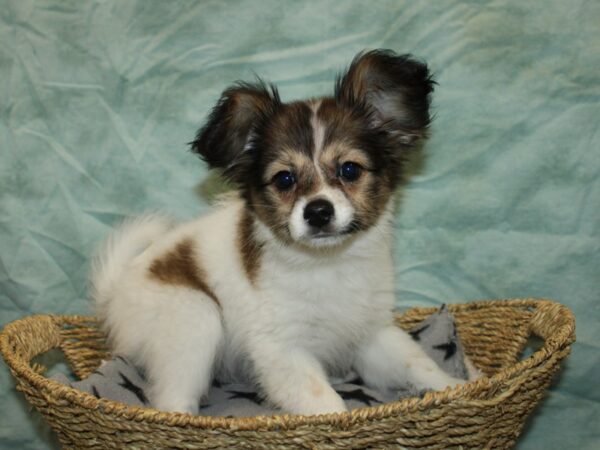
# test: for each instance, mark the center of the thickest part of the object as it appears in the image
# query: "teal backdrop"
(99, 98)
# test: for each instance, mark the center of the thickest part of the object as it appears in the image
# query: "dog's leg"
(295, 381)
(183, 337)
(391, 358)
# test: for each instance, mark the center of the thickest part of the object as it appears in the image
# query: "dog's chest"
(327, 309)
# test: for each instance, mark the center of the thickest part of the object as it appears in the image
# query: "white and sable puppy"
(291, 281)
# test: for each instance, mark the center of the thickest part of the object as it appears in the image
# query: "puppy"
(291, 281)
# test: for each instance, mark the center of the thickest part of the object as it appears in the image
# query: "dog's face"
(318, 171)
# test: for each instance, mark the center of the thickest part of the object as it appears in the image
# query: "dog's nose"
(318, 213)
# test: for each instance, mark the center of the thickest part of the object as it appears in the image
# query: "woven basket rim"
(561, 337)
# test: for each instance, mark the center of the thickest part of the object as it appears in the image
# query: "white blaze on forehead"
(318, 129)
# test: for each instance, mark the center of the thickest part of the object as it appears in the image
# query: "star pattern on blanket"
(123, 360)
(356, 380)
(415, 333)
(448, 347)
(203, 404)
(252, 396)
(358, 394)
(127, 384)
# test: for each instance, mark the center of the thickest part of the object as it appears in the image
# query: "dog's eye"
(284, 180)
(349, 171)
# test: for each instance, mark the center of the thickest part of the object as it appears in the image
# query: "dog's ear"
(393, 90)
(225, 141)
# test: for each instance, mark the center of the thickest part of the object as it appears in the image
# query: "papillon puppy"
(291, 281)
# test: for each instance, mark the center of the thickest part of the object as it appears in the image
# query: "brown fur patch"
(250, 248)
(339, 152)
(180, 267)
(288, 159)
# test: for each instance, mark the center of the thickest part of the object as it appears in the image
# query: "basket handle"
(554, 323)
(24, 339)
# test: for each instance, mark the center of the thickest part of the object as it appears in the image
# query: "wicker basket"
(488, 413)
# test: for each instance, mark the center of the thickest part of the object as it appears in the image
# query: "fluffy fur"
(291, 281)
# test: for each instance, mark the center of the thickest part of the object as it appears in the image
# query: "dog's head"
(320, 170)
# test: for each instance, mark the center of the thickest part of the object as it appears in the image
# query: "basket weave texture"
(487, 413)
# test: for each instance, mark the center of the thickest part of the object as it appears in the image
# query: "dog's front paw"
(309, 402)
(453, 382)
(322, 404)
(171, 404)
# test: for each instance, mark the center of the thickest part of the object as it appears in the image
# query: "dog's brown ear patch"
(393, 90)
(180, 267)
(250, 249)
(225, 141)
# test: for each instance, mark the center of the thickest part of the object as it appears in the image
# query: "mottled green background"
(98, 100)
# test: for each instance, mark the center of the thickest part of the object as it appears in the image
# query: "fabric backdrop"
(99, 98)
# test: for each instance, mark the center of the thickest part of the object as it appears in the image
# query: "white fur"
(298, 227)
(122, 245)
(318, 130)
(310, 313)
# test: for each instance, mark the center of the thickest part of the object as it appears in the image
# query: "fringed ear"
(394, 90)
(225, 141)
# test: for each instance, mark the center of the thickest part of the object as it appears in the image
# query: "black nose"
(318, 213)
